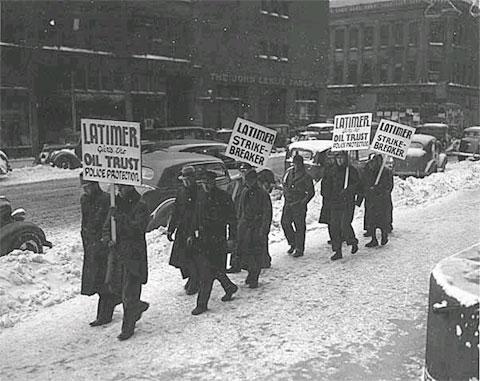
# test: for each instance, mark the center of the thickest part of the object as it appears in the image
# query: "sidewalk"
(22, 162)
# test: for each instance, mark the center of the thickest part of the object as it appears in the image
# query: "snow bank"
(32, 174)
(458, 275)
(29, 282)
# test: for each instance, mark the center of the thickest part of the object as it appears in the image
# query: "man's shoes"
(367, 234)
(291, 250)
(142, 308)
(372, 243)
(354, 248)
(199, 310)
(297, 254)
(253, 284)
(125, 335)
(229, 293)
(384, 240)
(337, 255)
(99, 322)
(247, 279)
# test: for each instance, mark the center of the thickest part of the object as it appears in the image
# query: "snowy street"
(363, 317)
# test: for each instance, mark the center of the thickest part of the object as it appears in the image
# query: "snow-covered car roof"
(205, 143)
(312, 145)
(423, 139)
(473, 128)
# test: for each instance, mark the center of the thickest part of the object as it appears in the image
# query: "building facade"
(161, 63)
(411, 61)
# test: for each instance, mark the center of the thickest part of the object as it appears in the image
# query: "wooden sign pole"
(384, 160)
(111, 250)
(347, 173)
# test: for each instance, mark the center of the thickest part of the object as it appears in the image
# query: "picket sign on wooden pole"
(112, 218)
(111, 254)
(347, 174)
(384, 160)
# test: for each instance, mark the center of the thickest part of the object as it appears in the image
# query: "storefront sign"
(352, 132)
(251, 143)
(392, 139)
(261, 80)
(111, 151)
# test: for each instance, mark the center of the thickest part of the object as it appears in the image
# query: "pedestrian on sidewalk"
(266, 179)
(298, 190)
(181, 224)
(214, 213)
(94, 205)
(378, 201)
(254, 219)
(342, 203)
(240, 185)
(130, 268)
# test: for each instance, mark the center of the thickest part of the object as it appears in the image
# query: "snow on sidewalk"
(36, 173)
(31, 282)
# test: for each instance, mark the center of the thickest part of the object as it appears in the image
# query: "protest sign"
(111, 151)
(392, 139)
(251, 143)
(351, 132)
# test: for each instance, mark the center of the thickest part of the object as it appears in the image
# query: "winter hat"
(251, 174)
(266, 176)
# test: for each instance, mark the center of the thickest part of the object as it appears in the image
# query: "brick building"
(413, 61)
(161, 63)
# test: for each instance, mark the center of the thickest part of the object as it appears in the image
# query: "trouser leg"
(131, 291)
(193, 277)
(335, 229)
(286, 221)
(348, 234)
(224, 280)
(299, 216)
(205, 278)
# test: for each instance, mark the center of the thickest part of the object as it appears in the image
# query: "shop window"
(338, 73)
(412, 71)
(413, 31)
(306, 104)
(339, 38)
(383, 75)
(367, 72)
(352, 72)
(354, 38)
(398, 32)
(397, 74)
(434, 70)
(368, 37)
(437, 32)
(384, 35)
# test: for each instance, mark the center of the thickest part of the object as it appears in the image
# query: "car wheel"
(434, 169)
(30, 242)
(64, 163)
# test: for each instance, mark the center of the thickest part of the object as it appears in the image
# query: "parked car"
(5, 166)
(424, 157)
(439, 130)
(160, 171)
(283, 133)
(223, 135)
(314, 153)
(469, 144)
(65, 156)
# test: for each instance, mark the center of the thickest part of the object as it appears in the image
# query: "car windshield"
(471, 134)
(306, 154)
(416, 145)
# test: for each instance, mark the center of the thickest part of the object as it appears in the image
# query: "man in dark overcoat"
(94, 206)
(378, 201)
(129, 269)
(181, 224)
(324, 217)
(298, 190)
(266, 179)
(214, 212)
(240, 185)
(342, 203)
(254, 219)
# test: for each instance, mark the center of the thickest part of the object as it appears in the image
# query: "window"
(285, 10)
(413, 33)
(367, 72)
(354, 38)
(434, 71)
(306, 102)
(397, 75)
(437, 32)
(263, 50)
(411, 71)
(384, 35)
(339, 38)
(338, 73)
(368, 37)
(398, 32)
(284, 56)
(265, 5)
(274, 51)
(275, 7)
(457, 33)
(93, 74)
(352, 72)
(383, 73)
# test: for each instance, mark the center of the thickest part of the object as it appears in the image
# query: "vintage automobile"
(66, 156)
(439, 130)
(16, 233)
(469, 144)
(314, 153)
(5, 166)
(424, 157)
(160, 171)
(223, 135)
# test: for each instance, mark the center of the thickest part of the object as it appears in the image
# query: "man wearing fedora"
(298, 190)
(181, 225)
